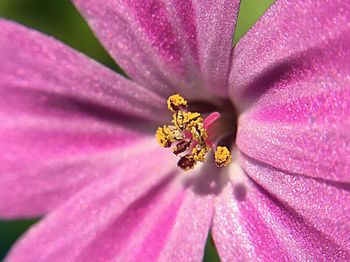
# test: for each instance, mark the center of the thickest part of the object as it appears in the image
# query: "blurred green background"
(59, 19)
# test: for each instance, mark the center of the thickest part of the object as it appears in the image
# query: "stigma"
(188, 136)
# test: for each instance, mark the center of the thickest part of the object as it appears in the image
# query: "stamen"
(199, 133)
(163, 137)
(175, 102)
(186, 162)
(190, 133)
(181, 119)
(182, 146)
(222, 156)
(166, 135)
(199, 153)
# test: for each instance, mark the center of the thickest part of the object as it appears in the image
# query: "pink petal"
(294, 48)
(215, 21)
(187, 238)
(34, 64)
(63, 122)
(291, 74)
(314, 150)
(320, 202)
(251, 224)
(141, 219)
(169, 46)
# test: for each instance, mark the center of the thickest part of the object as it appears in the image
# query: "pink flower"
(78, 147)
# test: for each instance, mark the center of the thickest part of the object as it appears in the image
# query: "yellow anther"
(167, 134)
(175, 134)
(194, 120)
(188, 136)
(199, 153)
(176, 102)
(163, 137)
(182, 119)
(222, 156)
(199, 133)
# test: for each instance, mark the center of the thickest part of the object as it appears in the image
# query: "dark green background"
(59, 18)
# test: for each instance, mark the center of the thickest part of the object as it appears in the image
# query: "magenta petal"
(252, 225)
(141, 219)
(193, 218)
(297, 48)
(215, 21)
(62, 125)
(37, 66)
(291, 76)
(323, 204)
(314, 150)
(59, 165)
(168, 46)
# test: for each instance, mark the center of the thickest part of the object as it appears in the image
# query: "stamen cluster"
(189, 135)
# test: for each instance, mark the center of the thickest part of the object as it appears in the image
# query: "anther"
(166, 135)
(222, 156)
(199, 153)
(182, 146)
(163, 137)
(189, 132)
(176, 102)
(182, 119)
(186, 162)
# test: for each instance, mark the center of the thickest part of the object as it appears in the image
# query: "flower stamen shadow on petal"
(208, 180)
(239, 191)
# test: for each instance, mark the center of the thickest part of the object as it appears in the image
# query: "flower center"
(191, 136)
